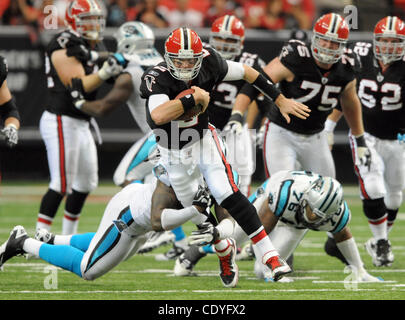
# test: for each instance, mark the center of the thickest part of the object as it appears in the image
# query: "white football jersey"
(136, 67)
(284, 190)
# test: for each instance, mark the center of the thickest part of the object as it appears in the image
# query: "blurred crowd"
(256, 14)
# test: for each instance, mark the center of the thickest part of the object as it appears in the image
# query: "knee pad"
(374, 209)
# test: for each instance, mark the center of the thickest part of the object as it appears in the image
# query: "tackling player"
(71, 151)
(8, 110)
(380, 89)
(121, 232)
(188, 65)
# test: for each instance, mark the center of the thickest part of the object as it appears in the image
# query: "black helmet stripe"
(227, 22)
(186, 40)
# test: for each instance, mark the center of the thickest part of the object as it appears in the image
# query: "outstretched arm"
(117, 96)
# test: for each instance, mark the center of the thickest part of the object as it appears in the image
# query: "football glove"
(235, 123)
(82, 53)
(206, 234)
(113, 66)
(363, 152)
(202, 198)
(76, 92)
(11, 135)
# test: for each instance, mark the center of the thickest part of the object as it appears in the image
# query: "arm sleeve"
(235, 71)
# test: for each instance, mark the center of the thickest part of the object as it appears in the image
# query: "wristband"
(12, 125)
(360, 141)
(188, 102)
(236, 116)
(330, 125)
(266, 87)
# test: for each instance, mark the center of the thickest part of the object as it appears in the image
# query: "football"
(193, 111)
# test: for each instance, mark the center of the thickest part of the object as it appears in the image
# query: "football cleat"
(278, 267)
(332, 250)
(229, 269)
(380, 252)
(186, 261)
(44, 235)
(14, 245)
(156, 240)
(172, 254)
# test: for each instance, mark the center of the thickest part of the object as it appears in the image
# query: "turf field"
(316, 276)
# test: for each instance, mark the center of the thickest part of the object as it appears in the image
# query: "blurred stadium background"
(269, 23)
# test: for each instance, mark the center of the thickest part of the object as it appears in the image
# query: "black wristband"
(266, 87)
(9, 109)
(360, 141)
(188, 102)
(236, 117)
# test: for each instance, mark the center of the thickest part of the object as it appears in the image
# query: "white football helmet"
(325, 198)
(134, 37)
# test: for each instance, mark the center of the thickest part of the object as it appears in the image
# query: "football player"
(122, 230)
(380, 89)
(8, 109)
(188, 65)
(305, 201)
(135, 40)
(71, 151)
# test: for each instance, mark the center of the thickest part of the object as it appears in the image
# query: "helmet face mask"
(329, 38)
(183, 54)
(227, 36)
(322, 199)
(133, 37)
(389, 40)
(87, 17)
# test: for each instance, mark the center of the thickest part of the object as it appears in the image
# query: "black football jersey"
(317, 88)
(382, 94)
(59, 100)
(3, 70)
(158, 80)
(222, 96)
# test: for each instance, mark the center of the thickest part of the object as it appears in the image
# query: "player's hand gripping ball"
(191, 112)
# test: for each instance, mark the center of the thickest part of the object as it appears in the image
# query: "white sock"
(44, 222)
(62, 239)
(263, 244)
(351, 253)
(70, 223)
(379, 228)
(32, 246)
(222, 247)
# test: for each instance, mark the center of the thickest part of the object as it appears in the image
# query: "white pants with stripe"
(283, 148)
(71, 152)
(205, 157)
(386, 175)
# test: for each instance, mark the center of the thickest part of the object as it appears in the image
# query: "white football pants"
(71, 152)
(282, 148)
(386, 175)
